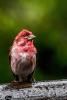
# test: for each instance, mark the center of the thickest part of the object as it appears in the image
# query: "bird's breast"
(24, 63)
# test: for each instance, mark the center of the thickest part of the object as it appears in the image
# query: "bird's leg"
(31, 77)
(16, 78)
(21, 79)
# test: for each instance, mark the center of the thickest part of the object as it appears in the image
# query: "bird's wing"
(9, 54)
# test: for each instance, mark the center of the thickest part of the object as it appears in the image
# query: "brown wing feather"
(9, 54)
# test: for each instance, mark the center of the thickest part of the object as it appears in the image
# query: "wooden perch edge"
(51, 90)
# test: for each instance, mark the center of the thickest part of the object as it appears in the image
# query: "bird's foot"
(18, 85)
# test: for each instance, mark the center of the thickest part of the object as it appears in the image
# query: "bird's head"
(25, 34)
(24, 37)
(24, 40)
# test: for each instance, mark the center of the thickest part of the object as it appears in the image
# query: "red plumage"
(23, 56)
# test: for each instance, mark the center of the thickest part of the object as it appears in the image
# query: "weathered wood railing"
(50, 90)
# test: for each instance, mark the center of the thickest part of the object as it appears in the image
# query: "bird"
(22, 56)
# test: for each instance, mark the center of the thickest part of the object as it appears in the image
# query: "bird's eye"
(27, 34)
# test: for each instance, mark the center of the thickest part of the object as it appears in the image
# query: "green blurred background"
(47, 19)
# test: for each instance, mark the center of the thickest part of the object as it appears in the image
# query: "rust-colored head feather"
(23, 33)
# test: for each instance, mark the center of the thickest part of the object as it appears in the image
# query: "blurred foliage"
(47, 19)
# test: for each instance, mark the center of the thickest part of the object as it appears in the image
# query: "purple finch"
(23, 56)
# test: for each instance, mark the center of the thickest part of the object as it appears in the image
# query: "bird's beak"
(31, 37)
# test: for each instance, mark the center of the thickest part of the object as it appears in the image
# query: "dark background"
(47, 19)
